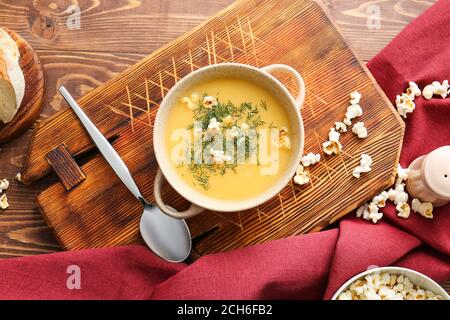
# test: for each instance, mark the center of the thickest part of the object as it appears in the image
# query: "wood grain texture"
(34, 91)
(80, 70)
(126, 106)
(65, 167)
(117, 25)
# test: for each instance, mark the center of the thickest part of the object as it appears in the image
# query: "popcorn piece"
(340, 127)
(360, 130)
(392, 194)
(425, 209)
(284, 140)
(374, 213)
(403, 210)
(245, 127)
(310, 159)
(355, 97)
(209, 102)
(4, 184)
(380, 200)
(228, 121)
(440, 89)
(301, 176)
(400, 187)
(219, 156)
(428, 92)
(188, 103)
(333, 146)
(364, 166)
(402, 174)
(195, 98)
(413, 89)
(347, 121)
(4, 202)
(363, 211)
(19, 177)
(401, 197)
(405, 104)
(213, 127)
(346, 295)
(232, 133)
(353, 111)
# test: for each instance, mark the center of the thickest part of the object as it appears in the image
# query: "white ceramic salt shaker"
(429, 177)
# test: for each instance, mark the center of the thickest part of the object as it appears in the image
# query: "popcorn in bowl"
(390, 283)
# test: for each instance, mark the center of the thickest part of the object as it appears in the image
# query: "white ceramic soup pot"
(417, 278)
(261, 77)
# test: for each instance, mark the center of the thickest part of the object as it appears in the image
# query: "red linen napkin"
(309, 266)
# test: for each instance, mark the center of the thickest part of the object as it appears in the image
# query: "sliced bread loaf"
(11, 55)
(7, 95)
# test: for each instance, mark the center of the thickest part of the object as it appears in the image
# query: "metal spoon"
(169, 238)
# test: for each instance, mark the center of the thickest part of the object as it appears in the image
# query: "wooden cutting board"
(34, 91)
(91, 208)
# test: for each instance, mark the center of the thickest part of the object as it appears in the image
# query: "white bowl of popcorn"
(390, 283)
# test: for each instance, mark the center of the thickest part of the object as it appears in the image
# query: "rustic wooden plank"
(116, 26)
(82, 71)
(262, 30)
(64, 165)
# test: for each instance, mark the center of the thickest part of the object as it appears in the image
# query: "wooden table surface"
(113, 35)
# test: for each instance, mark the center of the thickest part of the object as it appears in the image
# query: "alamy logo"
(374, 17)
(74, 279)
(74, 18)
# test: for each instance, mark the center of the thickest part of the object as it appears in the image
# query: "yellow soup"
(243, 117)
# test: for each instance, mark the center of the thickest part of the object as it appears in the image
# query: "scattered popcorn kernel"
(4, 202)
(310, 159)
(209, 102)
(363, 211)
(403, 210)
(232, 133)
(360, 130)
(301, 176)
(214, 127)
(347, 121)
(340, 127)
(402, 197)
(228, 121)
(195, 98)
(425, 209)
(380, 200)
(19, 177)
(188, 103)
(374, 213)
(4, 184)
(428, 92)
(400, 187)
(353, 111)
(413, 89)
(284, 140)
(245, 127)
(219, 156)
(355, 97)
(405, 104)
(333, 146)
(402, 174)
(364, 166)
(347, 295)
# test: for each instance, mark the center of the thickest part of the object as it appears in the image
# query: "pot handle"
(193, 209)
(300, 99)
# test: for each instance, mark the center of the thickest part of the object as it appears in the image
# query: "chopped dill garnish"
(235, 116)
